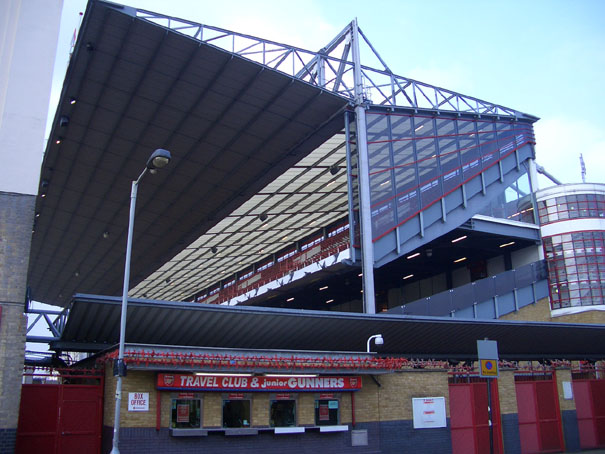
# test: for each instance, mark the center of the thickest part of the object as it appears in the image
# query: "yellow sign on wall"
(489, 367)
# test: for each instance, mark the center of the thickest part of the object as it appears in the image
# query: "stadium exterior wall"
(381, 412)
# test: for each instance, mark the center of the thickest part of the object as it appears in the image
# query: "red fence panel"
(61, 417)
(469, 416)
(462, 420)
(540, 428)
(81, 413)
(589, 395)
(38, 419)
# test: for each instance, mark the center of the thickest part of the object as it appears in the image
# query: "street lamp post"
(158, 159)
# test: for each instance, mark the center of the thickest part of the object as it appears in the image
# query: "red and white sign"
(324, 412)
(138, 401)
(282, 396)
(186, 382)
(428, 412)
(182, 413)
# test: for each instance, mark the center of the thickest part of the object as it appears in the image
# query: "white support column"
(533, 175)
(365, 210)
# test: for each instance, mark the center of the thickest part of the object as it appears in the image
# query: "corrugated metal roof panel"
(198, 325)
(231, 125)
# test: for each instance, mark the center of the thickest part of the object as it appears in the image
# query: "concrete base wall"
(510, 434)
(571, 434)
(386, 437)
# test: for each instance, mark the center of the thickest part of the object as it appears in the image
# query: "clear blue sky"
(542, 57)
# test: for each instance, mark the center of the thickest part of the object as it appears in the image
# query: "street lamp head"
(379, 340)
(158, 159)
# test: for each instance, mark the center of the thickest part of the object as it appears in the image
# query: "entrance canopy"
(93, 325)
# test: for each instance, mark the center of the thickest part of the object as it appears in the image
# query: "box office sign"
(138, 401)
(186, 382)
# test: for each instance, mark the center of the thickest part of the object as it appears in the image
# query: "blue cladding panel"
(510, 433)
(506, 304)
(418, 160)
(571, 434)
(525, 296)
(486, 310)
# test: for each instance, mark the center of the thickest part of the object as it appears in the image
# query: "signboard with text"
(487, 353)
(182, 413)
(138, 401)
(428, 412)
(186, 382)
(489, 368)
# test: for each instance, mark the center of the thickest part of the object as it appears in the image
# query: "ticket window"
(236, 413)
(327, 412)
(186, 414)
(282, 412)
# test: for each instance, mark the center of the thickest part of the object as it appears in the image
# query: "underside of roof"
(93, 324)
(132, 86)
(257, 135)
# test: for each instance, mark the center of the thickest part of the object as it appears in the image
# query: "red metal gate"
(469, 417)
(63, 415)
(589, 395)
(540, 427)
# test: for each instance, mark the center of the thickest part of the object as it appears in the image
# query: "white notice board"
(138, 401)
(429, 412)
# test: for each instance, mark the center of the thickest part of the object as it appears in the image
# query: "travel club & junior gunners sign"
(180, 382)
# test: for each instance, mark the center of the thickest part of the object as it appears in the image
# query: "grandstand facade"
(314, 201)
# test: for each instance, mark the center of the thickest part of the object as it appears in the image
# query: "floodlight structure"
(158, 159)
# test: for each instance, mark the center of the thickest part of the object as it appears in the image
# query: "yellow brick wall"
(540, 312)
(393, 399)
(260, 410)
(109, 396)
(366, 404)
(135, 381)
(306, 409)
(584, 317)
(213, 410)
(366, 400)
(390, 402)
(346, 416)
(506, 392)
(564, 375)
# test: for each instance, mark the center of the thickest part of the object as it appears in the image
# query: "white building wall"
(29, 31)
(28, 40)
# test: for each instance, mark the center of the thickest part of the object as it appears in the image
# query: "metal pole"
(350, 188)
(120, 366)
(365, 209)
(489, 416)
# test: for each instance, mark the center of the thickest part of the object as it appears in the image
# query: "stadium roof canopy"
(93, 325)
(254, 127)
